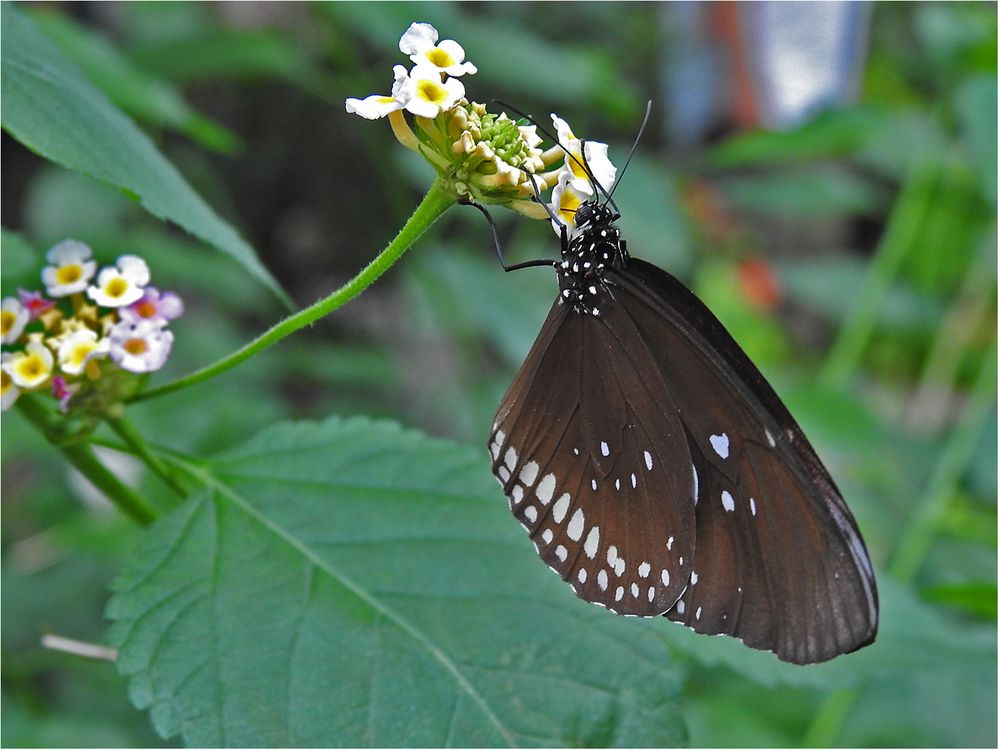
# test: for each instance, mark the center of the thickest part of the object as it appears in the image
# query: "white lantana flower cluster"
(62, 340)
(432, 86)
(482, 156)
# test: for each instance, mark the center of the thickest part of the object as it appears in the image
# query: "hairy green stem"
(434, 204)
(81, 456)
(127, 432)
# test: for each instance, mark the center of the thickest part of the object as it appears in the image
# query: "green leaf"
(138, 93)
(52, 109)
(350, 583)
(978, 598)
(20, 261)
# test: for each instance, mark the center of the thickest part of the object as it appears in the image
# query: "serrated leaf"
(349, 583)
(51, 108)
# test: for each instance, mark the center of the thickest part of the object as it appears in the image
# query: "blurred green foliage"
(877, 222)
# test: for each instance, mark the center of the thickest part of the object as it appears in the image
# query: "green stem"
(918, 536)
(434, 204)
(81, 456)
(902, 232)
(126, 430)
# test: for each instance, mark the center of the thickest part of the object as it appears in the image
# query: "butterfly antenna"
(582, 163)
(641, 131)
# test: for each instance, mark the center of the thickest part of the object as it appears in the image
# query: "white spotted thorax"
(596, 245)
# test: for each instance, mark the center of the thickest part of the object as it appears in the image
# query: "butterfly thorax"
(596, 246)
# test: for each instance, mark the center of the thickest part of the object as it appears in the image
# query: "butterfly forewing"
(778, 561)
(578, 448)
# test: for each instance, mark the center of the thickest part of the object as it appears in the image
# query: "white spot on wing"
(517, 494)
(619, 594)
(681, 607)
(604, 449)
(652, 593)
(619, 566)
(593, 484)
(720, 444)
(697, 490)
(602, 580)
(664, 577)
(510, 458)
(546, 488)
(669, 543)
(770, 439)
(547, 535)
(697, 614)
(575, 528)
(560, 507)
(634, 589)
(592, 542)
(617, 485)
(634, 481)
(648, 460)
(529, 473)
(644, 569)
(693, 579)
(531, 513)
(611, 555)
(500, 438)
(581, 575)
(561, 553)
(504, 474)
(752, 506)
(728, 502)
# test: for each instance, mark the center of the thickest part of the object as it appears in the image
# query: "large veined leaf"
(50, 107)
(350, 583)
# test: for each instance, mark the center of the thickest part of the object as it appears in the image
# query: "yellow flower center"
(5, 381)
(69, 274)
(116, 287)
(432, 92)
(80, 352)
(576, 165)
(7, 320)
(567, 207)
(31, 367)
(440, 58)
(145, 309)
(136, 346)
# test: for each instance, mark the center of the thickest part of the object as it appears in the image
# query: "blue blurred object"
(770, 64)
(803, 57)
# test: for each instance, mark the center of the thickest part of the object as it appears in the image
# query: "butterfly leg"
(499, 247)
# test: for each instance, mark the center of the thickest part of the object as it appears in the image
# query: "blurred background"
(822, 175)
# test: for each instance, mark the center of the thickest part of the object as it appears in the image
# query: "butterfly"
(658, 473)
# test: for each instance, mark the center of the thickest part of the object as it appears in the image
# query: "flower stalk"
(81, 457)
(431, 208)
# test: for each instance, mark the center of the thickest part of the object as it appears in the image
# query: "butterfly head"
(596, 245)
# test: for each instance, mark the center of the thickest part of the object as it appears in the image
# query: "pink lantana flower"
(155, 306)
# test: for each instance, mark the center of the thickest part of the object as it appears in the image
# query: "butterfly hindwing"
(578, 447)
(779, 561)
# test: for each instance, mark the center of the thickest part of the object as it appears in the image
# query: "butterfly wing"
(578, 445)
(779, 561)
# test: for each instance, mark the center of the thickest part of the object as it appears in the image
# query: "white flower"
(420, 43)
(565, 200)
(71, 268)
(30, 368)
(140, 347)
(122, 285)
(8, 391)
(78, 348)
(377, 106)
(593, 155)
(423, 93)
(13, 318)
